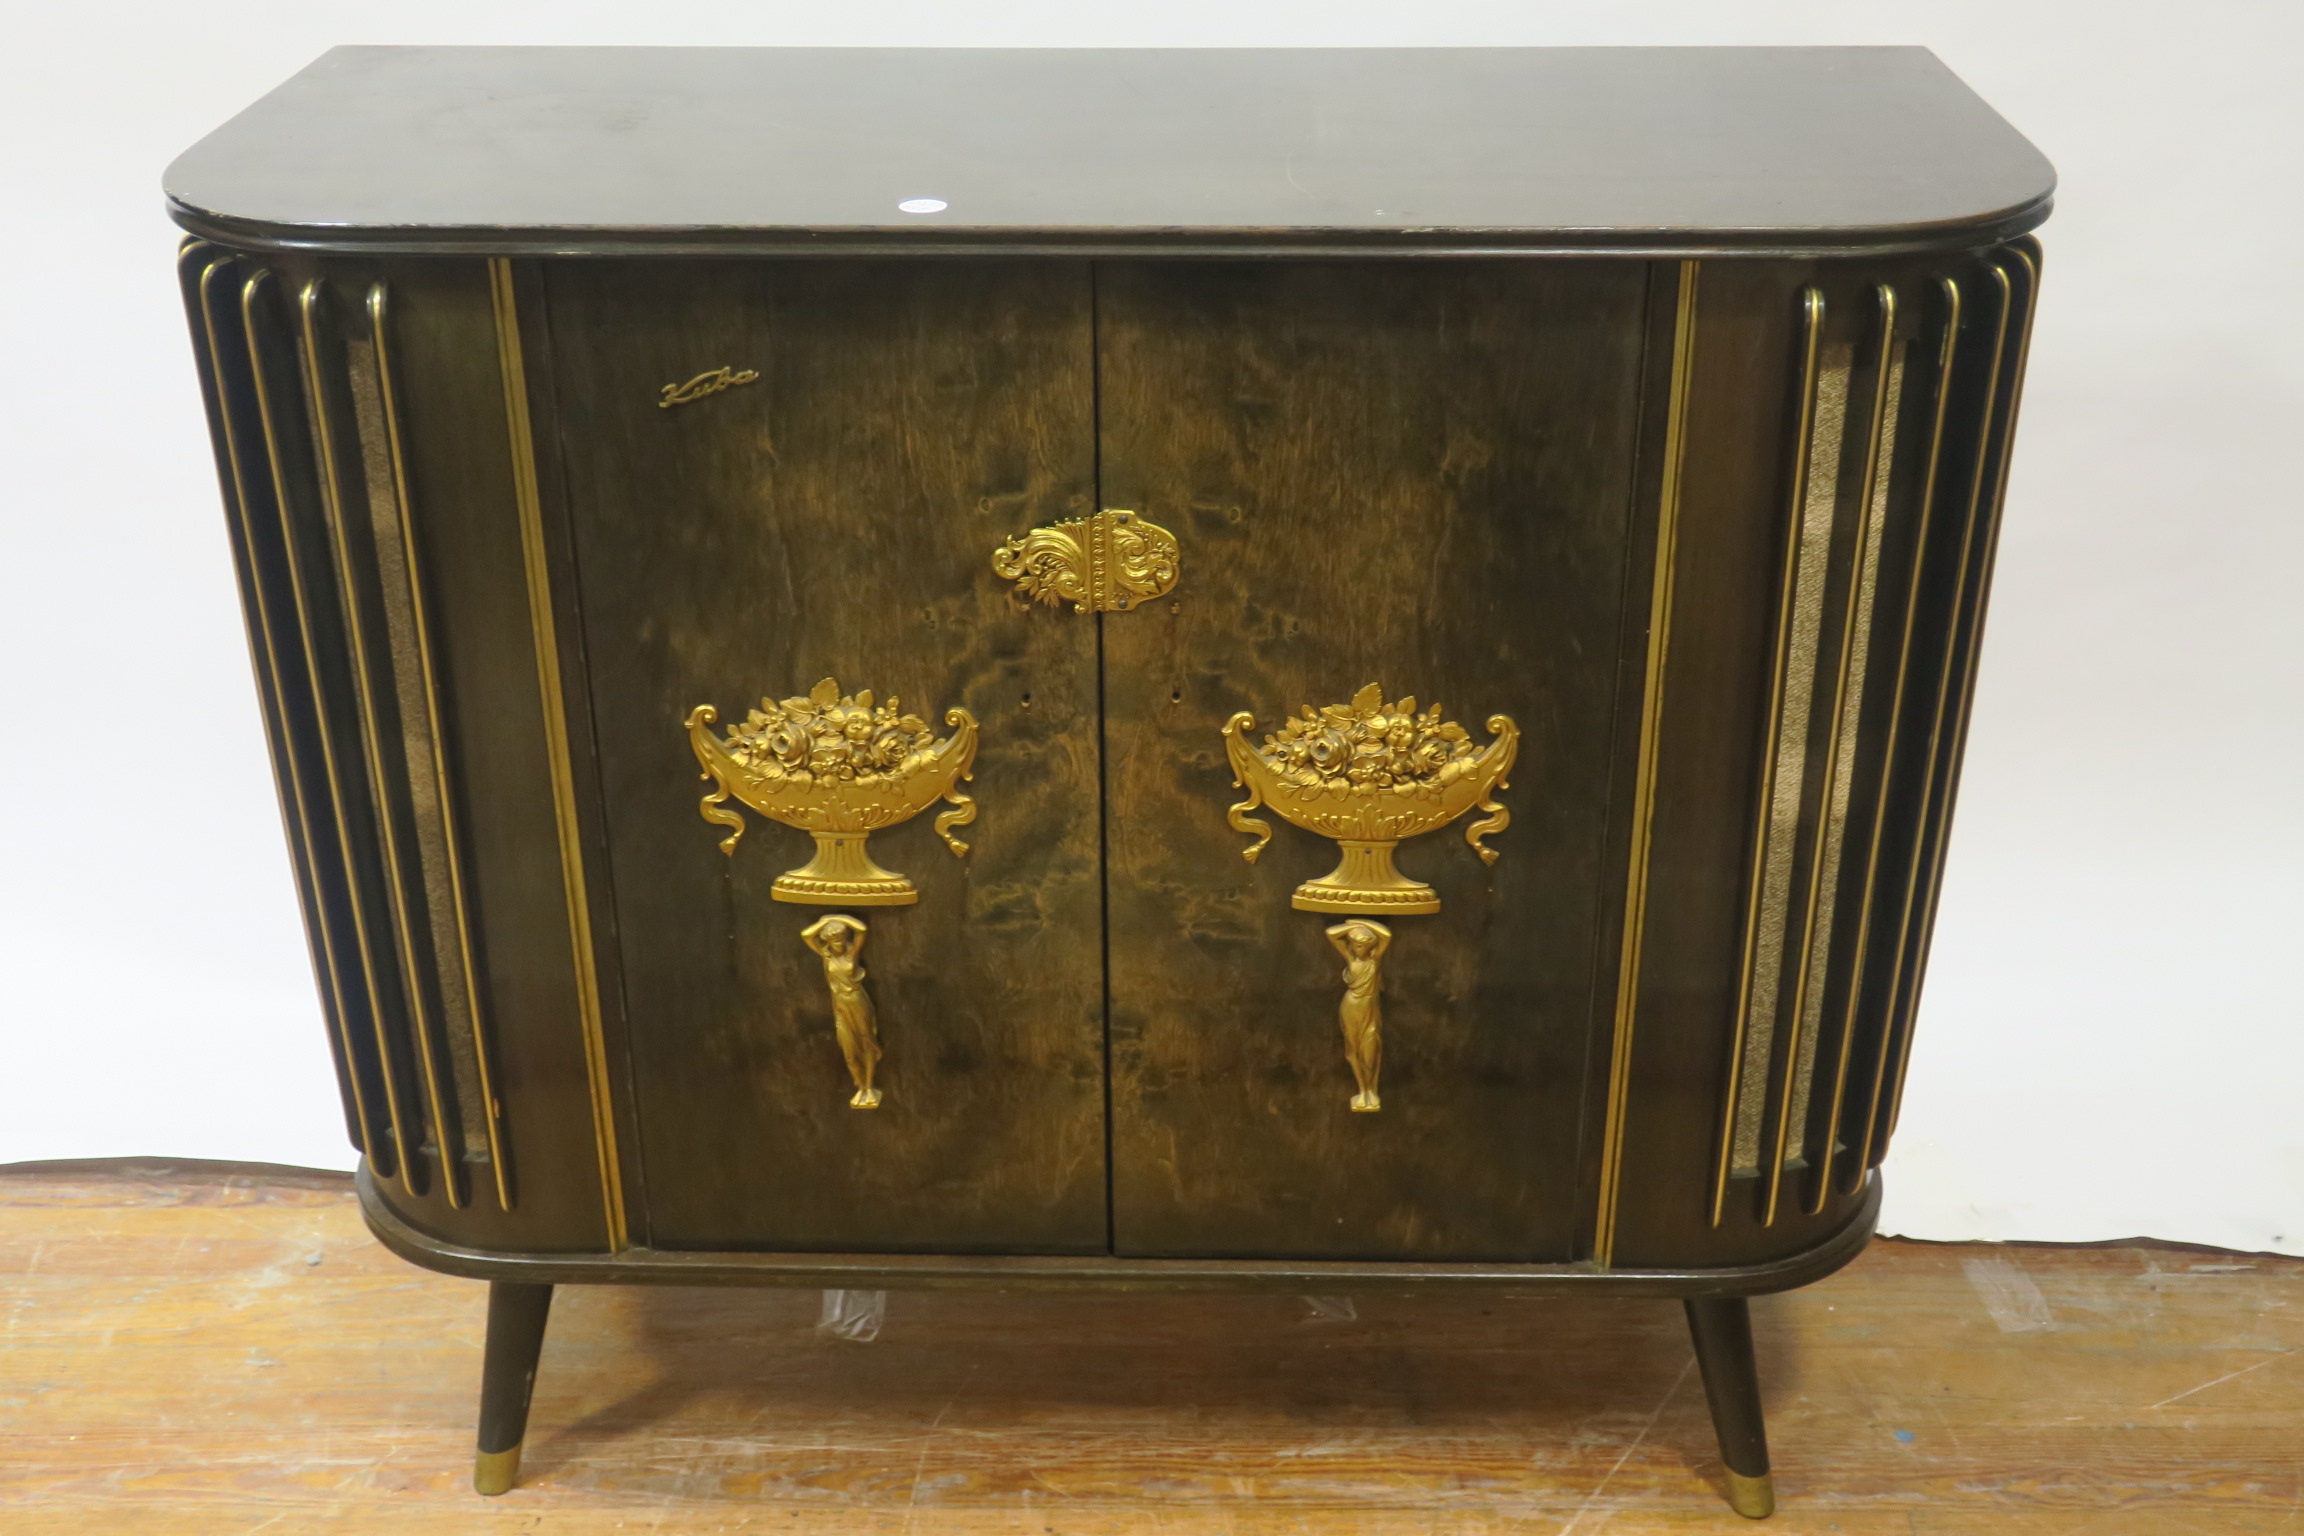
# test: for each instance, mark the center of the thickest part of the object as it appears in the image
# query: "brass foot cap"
(495, 1472)
(1752, 1497)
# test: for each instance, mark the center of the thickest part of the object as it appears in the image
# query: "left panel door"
(829, 511)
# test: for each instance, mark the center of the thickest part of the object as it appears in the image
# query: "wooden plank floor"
(197, 1350)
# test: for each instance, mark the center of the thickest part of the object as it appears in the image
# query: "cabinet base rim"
(899, 1271)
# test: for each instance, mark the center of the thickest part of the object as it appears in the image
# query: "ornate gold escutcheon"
(1103, 564)
(839, 767)
(1370, 774)
(1362, 942)
(838, 941)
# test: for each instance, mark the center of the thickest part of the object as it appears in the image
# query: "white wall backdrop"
(2113, 1037)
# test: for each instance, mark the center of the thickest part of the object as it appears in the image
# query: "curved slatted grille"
(300, 399)
(1904, 415)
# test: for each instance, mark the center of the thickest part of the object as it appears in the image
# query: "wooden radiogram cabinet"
(1316, 669)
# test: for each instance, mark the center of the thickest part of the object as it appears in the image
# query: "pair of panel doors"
(1104, 1029)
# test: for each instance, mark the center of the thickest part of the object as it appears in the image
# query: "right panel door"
(1420, 476)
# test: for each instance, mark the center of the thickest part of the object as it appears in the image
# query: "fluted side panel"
(332, 587)
(1904, 411)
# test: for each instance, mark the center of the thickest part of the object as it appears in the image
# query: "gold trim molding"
(1660, 591)
(536, 558)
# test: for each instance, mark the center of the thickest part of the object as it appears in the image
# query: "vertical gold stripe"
(1738, 1148)
(413, 977)
(249, 298)
(1860, 1147)
(387, 399)
(300, 855)
(296, 809)
(299, 811)
(1925, 835)
(526, 493)
(293, 816)
(324, 440)
(1644, 780)
(309, 314)
(2024, 251)
(1841, 745)
(1808, 558)
(1780, 909)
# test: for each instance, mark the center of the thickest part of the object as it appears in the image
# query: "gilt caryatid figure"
(1362, 943)
(839, 767)
(838, 941)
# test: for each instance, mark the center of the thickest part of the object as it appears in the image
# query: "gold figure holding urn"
(839, 767)
(1362, 943)
(838, 941)
(1369, 774)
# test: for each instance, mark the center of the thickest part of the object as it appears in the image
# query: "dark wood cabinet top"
(1627, 150)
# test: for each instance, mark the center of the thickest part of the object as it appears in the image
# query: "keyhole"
(1027, 701)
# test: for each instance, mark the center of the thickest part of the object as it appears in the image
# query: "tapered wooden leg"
(1722, 1326)
(516, 1316)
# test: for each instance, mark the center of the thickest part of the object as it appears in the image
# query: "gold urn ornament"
(1369, 774)
(839, 767)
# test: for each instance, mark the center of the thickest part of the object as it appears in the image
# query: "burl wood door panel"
(834, 518)
(1415, 475)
